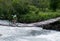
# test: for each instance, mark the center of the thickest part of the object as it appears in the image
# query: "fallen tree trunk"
(37, 24)
(42, 23)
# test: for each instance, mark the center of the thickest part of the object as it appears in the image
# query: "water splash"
(28, 34)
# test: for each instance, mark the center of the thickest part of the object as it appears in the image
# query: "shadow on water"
(42, 32)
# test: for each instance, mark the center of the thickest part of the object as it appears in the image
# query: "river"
(28, 34)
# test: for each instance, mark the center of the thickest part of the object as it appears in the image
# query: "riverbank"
(41, 16)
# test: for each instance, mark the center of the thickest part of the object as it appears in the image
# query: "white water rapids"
(27, 34)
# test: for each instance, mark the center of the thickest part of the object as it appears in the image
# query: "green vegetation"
(28, 18)
(28, 11)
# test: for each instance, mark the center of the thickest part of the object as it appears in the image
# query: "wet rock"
(53, 26)
(0, 34)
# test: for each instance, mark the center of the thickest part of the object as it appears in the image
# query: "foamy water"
(27, 34)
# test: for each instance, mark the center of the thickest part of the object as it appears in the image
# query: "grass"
(32, 17)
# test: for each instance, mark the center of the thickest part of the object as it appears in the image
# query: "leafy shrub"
(26, 12)
(32, 17)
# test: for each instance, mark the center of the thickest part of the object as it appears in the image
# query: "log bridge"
(37, 24)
